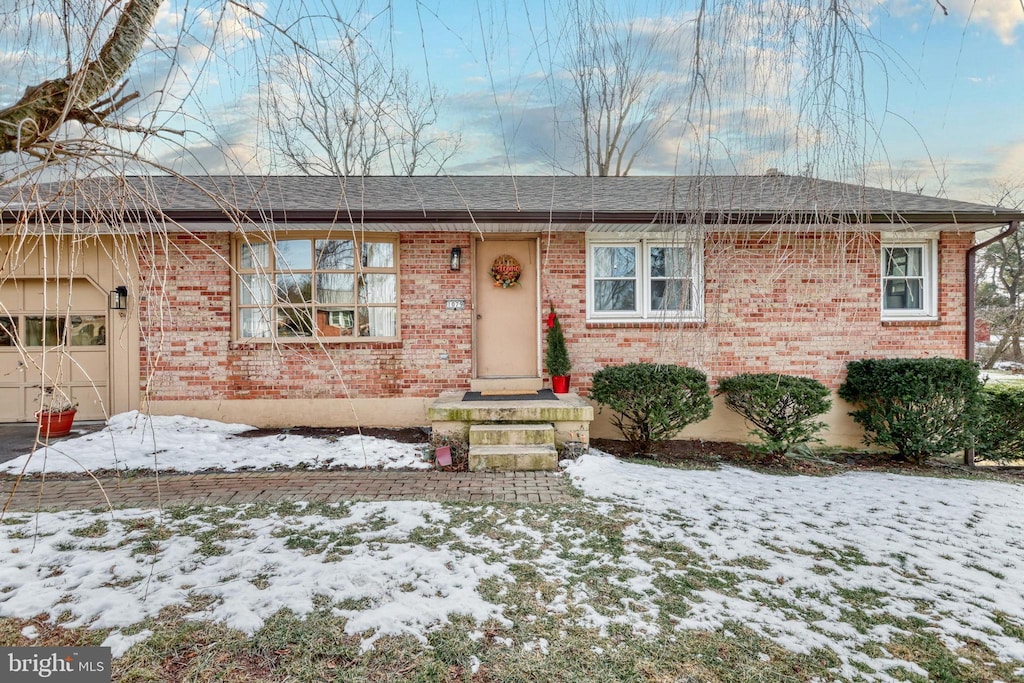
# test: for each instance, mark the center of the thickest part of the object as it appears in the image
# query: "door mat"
(542, 395)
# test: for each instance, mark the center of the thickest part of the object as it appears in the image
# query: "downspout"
(971, 258)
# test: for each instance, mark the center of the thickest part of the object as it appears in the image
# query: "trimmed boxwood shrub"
(652, 402)
(921, 407)
(782, 408)
(1000, 433)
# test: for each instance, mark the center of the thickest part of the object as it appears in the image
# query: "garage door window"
(37, 330)
(8, 331)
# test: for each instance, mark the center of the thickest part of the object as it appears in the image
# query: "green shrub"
(782, 408)
(920, 407)
(652, 402)
(1000, 432)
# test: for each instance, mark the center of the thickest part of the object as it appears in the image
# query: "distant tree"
(999, 278)
(354, 116)
(620, 99)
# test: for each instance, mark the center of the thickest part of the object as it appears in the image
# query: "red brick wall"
(787, 302)
(187, 352)
(796, 303)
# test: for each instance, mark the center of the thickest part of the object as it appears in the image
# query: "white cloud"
(1004, 17)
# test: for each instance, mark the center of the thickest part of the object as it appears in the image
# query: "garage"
(53, 333)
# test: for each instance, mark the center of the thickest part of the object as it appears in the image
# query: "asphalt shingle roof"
(759, 199)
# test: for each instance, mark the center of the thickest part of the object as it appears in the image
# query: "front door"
(506, 317)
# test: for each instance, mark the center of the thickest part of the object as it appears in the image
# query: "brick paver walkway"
(250, 487)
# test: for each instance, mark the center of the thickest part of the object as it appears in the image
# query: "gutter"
(971, 254)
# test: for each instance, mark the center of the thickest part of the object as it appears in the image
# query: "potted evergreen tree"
(557, 358)
(56, 413)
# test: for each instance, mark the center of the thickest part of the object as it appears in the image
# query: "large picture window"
(908, 280)
(644, 279)
(294, 288)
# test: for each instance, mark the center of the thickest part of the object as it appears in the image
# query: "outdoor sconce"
(119, 298)
(456, 259)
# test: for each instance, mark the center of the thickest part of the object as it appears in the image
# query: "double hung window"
(644, 279)
(908, 280)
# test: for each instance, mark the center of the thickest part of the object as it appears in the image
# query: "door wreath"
(505, 271)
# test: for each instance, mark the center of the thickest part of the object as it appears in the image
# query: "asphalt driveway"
(17, 438)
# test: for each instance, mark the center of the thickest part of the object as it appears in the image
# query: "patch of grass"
(48, 633)
(863, 596)
(928, 652)
(1012, 628)
(25, 534)
(997, 574)
(146, 534)
(847, 557)
(758, 563)
(210, 540)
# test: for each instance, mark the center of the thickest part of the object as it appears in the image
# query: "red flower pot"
(56, 424)
(560, 384)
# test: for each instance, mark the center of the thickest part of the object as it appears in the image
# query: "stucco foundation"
(725, 425)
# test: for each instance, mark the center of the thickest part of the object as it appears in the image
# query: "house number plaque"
(455, 304)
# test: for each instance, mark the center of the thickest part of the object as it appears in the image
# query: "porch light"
(455, 263)
(119, 298)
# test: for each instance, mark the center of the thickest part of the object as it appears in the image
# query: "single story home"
(334, 301)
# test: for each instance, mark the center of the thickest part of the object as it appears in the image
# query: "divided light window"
(908, 280)
(644, 279)
(317, 288)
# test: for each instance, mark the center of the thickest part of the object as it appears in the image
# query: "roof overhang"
(499, 221)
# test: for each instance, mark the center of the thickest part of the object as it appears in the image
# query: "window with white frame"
(303, 287)
(909, 279)
(644, 279)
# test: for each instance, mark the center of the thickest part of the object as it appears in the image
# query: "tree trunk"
(44, 108)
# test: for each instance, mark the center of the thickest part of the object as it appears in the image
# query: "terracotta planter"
(56, 424)
(560, 384)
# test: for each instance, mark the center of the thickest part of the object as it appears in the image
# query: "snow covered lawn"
(671, 574)
(135, 441)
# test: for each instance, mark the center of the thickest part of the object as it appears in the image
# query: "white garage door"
(52, 334)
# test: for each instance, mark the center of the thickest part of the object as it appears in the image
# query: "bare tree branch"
(44, 108)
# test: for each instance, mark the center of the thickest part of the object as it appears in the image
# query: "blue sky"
(937, 107)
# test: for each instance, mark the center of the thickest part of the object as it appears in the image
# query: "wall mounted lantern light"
(455, 263)
(119, 298)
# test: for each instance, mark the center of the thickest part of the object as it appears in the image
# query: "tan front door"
(52, 333)
(506, 317)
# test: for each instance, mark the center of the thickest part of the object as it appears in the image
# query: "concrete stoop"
(512, 435)
(512, 447)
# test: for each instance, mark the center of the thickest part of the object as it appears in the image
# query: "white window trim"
(929, 267)
(643, 244)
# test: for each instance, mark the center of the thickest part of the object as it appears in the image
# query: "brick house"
(326, 301)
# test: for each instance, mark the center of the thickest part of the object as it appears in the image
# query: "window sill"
(930, 321)
(644, 324)
(253, 344)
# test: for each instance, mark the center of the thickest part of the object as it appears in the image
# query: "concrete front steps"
(512, 447)
(506, 434)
